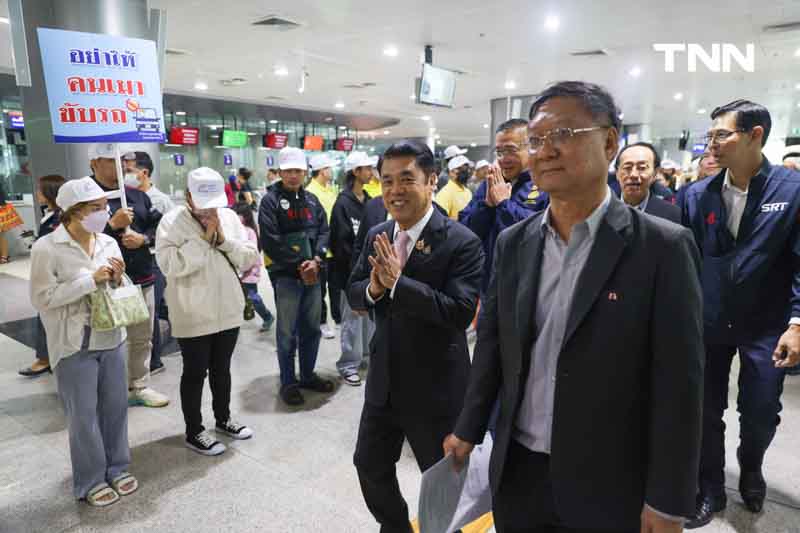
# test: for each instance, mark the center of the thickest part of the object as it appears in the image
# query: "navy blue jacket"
(751, 284)
(487, 222)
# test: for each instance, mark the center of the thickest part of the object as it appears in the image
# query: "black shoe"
(291, 395)
(317, 384)
(31, 373)
(707, 505)
(752, 486)
(157, 369)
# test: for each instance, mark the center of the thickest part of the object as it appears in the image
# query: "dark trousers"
(524, 501)
(759, 402)
(212, 354)
(159, 287)
(334, 291)
(380, 442)
(258, 302)
(41, 341)
(324, 278)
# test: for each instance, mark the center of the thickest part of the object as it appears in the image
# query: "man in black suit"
(636, 170)
(600, 415)
(422, 284)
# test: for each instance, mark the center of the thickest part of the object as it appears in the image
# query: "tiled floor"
(296, 475)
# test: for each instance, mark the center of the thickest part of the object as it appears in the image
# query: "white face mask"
(132, 180)
(96, 222)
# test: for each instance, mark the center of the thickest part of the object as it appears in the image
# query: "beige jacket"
(203, 292)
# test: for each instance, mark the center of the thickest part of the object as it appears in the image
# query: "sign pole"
(120, 176)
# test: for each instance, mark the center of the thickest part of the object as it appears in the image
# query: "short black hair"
(315, 173)
(596, 99)
(748, 116)
(790, 154)
(512, 124)
(49, 185)
(143, 162)
(409, 147)
(245, 173)
(656, 158)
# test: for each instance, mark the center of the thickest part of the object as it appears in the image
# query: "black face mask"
(464, 176)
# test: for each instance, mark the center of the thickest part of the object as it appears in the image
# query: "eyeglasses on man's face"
(509, 150)
(721, 135)
(557, 137)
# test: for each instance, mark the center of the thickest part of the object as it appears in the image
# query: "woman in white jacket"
(66, 267)
(201, 248)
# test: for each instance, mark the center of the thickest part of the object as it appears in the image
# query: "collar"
(62, 236)
(416, 230)
(727, 185)
(593, 220)
(641, 206)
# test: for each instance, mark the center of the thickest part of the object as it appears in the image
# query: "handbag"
(249, 308)
(117, 307)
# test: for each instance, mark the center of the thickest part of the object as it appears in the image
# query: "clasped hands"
(497, 189)
(209, 219)
(386, 267)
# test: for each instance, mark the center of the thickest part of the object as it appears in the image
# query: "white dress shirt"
(414, 233)
(735, 200)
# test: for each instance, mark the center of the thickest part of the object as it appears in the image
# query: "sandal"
(96, 496)
(125, 484)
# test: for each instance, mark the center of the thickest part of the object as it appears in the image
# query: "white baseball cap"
(669, 164)
(458, 161)
(102, 151)
(207, 188)
(320, 161)
(290, 158)
(482, 163)
(359, 159)
(452, 151)
(77, 191)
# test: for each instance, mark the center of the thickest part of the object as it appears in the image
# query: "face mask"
(96, 222)
(132, 180)
(464, 176)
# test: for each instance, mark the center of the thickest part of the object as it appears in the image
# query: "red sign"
(184, 135)
(276, 140)
(344, 144)
(313, 142)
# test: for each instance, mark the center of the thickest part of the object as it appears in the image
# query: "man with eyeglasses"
(591, 336)
(636, 166)
(507, 196)
(791, 159)
(745, 222)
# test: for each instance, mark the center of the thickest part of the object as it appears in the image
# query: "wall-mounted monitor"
(437, 86)
(233, 138)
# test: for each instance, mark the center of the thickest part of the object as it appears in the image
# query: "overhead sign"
(17, 122)
(270, 161)
(233, 138)
(178, 160)
(276, 140)
(313, 142)
(102, 88)
(184, 135)
(345, 144)
(698, 148)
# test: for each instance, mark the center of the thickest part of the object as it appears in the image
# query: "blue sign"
(178, 160)
(102, 88)
(17, 122)
(698, 149)
(227, 160)
(270, 161)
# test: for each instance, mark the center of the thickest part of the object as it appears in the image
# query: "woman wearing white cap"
(66, 267)
(201, 249)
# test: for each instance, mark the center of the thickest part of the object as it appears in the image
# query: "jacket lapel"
(610, 241)
(431, 237)
(528, 263)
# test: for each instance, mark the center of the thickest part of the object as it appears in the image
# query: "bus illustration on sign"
(147, 120)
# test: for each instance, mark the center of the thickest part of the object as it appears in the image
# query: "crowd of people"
(614, 292)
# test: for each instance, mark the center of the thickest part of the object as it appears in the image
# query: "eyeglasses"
(627, 170)
(558, 137)
(720, 135)
(509, 150)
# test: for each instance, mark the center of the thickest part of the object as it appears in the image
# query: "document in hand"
(439, 495)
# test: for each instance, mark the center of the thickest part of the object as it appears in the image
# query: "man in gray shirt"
(591, 336)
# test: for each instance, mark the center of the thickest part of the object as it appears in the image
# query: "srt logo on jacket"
(774, 208)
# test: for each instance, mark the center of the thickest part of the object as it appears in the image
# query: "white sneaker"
(327, 332)
(147, 397)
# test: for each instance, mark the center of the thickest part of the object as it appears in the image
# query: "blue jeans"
(759, 403)
(258, 303)
(299, 308)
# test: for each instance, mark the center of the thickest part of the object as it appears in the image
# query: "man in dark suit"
(599, 425)
(422, 284)
(636, 170)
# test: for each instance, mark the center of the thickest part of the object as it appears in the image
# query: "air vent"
(275, 98)
(584, 53)
(276, 22)
(782, 28)
(177, 52)
(233, 82)
(365, 85)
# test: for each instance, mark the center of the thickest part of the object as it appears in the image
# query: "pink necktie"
(401, 247)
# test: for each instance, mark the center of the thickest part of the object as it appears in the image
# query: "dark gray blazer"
(629, 389)
(661, 209)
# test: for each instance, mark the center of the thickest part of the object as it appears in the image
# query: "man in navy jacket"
(745, 223)
(507, 196)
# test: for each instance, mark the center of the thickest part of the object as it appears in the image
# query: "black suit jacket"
(661, 209)
(419, 360)
(628, 398)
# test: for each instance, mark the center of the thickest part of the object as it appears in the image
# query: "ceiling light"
(426, 118)
(412, 97)
(635, 72)
(473, 145)
(797, 53)
(702, 111)
(180, 113)
(273, 121)
(200, 86)
(486, 126)
(511, 85)
(250, 133)
(183, 123)
(390, 51)
(437, 136)
(281, 71)
(798, 104)
(4, 20)
(552, 23)
(678, 96)
(342, 127)
(797, 86)
(272, 130)
(386, 132)
(339, 105)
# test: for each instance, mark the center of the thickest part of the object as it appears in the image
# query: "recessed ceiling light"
(273, 121)
(552, 23)
(431, 131)
(797, 86)
(798, 104)
(272, 130)
(339, 105)
(511, 85)
(702, 111)
(635, 72)
(473, 145)
(413, 97)
(390, 50)
(678, 96)
(250, 133)
(437, 136)
(486, 126)
(183, 123)
(426, 118)
(797, 53)
(386, 132)
(201, 86)
(180, 113)
(328, 119)
(4, 20)
(281, 71)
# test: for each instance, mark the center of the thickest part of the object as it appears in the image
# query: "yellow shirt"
(327, 197)
(373, 188)
(453, 198)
